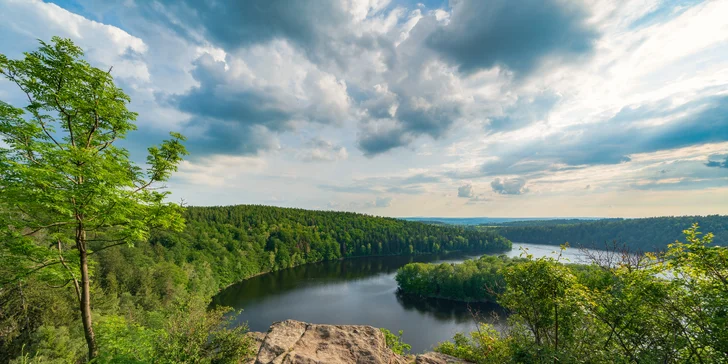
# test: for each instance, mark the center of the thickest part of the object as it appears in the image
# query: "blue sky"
(407, 108)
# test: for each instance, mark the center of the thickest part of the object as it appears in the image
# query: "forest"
(474, 280)
(136, 287)
(670, 307)
(244, 240)
(644, 234)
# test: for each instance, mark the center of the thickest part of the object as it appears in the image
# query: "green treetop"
(66, 191)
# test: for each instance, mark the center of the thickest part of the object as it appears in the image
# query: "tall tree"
(66, 190)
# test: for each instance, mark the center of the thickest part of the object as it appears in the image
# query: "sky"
(534, 108)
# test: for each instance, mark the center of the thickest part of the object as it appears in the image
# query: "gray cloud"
(718, 164)
(524, 112)
(417, 100)
(234, 24)
(466, 191)
(509, 186)
(377, 142)
(238, 117)
(234, 119)
(612, 141)
(320, 150)
(513, 34)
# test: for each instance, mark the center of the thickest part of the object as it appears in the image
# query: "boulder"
(294, 342)
(437, 358)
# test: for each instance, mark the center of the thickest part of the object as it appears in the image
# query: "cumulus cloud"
(255, 21)
(509, 186)
(466, 191)
(513, 34)
(561, 94)
(320, 150)
(104, 45)
(247, 95)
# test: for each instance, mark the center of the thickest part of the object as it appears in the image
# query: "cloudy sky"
(406, 108)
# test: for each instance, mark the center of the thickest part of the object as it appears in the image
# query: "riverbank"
(477, 252)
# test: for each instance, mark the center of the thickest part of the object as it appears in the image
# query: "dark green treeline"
(646, 234)
(240, 241)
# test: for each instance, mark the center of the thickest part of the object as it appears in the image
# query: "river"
(363, 291)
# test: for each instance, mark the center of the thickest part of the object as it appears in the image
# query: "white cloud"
(371, 83)
(105, 45)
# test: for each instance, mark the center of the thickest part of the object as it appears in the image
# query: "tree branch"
(34, 112)
(70, 272)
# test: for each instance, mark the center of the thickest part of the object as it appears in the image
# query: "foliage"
(241, 241)
(486, 345)
(67, 190)
(395, 342)
(472, 280)
(646, 234)
(667, 308)
(188, 334)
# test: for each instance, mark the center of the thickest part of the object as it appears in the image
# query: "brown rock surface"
(294, 342)
(437, 358)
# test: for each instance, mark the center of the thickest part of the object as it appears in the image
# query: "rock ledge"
(294, 342)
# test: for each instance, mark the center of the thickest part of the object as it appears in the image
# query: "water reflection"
(456, 311)
(361, 291)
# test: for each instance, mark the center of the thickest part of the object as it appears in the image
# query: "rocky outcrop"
(289, 342)
(437, 358)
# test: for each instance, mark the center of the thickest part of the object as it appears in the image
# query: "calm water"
(362, 291)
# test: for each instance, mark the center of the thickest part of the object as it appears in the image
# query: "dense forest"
(474, 280)
(647, 234)
(241, 241)
(136, 286)
(670, 307)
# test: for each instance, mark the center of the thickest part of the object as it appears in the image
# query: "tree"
(66, 190)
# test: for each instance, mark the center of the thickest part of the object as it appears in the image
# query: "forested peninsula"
(645, 234)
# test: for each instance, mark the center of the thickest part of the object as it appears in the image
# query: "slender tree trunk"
(85, 303)
(556, 340)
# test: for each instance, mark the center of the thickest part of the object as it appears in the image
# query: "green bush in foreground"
(669, 308)
(395, 342)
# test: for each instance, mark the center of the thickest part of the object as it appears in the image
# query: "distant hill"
(240, 241)
(491, 220)
(644, 234)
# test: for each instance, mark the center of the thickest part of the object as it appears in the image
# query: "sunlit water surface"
(363, 291)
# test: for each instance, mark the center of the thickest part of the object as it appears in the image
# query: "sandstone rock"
(258, 338)
(437, 358)
(295, 342)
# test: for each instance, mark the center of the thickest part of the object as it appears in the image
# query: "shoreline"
(356, 257)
